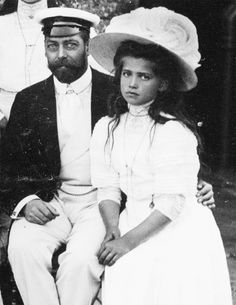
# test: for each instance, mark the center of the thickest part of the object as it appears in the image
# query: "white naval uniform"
(79, 225)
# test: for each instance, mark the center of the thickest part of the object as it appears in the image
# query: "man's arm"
(205, 194)
(21, 158)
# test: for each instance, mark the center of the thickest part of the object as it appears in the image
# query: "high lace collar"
(28, 10)
(139, 110)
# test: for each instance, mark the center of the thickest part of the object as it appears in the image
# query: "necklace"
(129, 164)
(29, 51)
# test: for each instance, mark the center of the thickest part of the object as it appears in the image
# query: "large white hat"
(171, 31)
(58, 17)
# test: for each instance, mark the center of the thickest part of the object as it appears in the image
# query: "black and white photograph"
(117, 152)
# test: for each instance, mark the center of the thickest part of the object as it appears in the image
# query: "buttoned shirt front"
(74, 131)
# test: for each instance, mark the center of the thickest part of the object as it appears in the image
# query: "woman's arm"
(110, 211)
(112, 250)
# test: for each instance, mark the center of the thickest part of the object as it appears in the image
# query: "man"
(46, 152)
(46, 172)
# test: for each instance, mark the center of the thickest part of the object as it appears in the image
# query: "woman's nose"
(133, 82)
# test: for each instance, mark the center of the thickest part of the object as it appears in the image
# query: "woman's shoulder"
(176, 125)
(101, 126)
(8, 25)
(174, 130)
(103, 121)
(7, 19)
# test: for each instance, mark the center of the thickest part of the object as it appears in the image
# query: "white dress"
(157, 168)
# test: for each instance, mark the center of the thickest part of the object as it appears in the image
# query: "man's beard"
(67, 72)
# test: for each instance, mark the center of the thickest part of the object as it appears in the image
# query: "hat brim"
(103, 48)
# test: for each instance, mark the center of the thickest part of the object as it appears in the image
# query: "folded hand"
(112, 250)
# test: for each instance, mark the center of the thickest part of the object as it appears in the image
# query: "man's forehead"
(75, 37)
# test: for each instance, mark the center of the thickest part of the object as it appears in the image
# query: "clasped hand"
(112, 248)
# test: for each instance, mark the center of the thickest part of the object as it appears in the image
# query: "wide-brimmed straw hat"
(173, 32)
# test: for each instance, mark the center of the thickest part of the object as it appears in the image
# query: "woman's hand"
(112, 250)
(205, 194)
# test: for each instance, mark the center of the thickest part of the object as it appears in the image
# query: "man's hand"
(112, 250)
(205, 194)
(39, 212)
(3, 122)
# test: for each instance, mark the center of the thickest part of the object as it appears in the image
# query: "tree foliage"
(106, 9)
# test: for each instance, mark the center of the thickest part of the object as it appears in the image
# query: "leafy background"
(106, 9)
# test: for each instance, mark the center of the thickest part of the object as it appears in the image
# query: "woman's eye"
(145, 77)
(125, 73)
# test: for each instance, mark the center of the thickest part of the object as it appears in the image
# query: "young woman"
(164, 248)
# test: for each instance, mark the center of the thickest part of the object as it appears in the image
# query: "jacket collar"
(101, 89)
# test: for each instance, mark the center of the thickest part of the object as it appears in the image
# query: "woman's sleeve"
(175, 166)
(104, 177)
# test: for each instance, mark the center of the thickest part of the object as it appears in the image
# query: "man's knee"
(26, 244)
(81, 262)
(21, 246)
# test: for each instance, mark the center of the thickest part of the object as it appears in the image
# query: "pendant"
(151, 205)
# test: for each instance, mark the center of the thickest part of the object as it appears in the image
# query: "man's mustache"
(62, 63)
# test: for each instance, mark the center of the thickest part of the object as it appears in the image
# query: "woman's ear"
(164, 84)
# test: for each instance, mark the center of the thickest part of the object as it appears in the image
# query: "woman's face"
(139, 85)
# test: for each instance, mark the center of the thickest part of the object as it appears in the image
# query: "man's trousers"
(31, 247)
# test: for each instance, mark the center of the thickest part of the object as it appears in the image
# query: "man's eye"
(52, 47)
(71, 45)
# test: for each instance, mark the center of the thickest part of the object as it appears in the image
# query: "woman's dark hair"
(10, 6)
(170, 101)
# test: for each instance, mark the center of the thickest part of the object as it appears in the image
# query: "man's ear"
(87, 48)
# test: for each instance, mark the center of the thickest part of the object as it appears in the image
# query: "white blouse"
(156, 166)
(22, 55)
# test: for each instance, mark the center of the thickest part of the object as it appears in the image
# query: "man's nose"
(62, 52)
